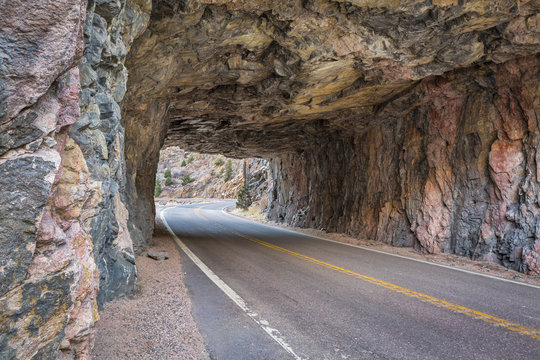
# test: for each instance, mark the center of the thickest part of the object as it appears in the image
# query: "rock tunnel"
(414, 123)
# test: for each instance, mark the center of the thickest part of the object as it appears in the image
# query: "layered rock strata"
(457, 173)
(111, 27)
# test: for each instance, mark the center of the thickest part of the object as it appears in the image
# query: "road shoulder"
(156, 322)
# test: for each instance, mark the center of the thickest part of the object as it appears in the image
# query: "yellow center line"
(535, 334)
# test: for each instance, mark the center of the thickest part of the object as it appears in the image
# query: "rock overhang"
(252, 78)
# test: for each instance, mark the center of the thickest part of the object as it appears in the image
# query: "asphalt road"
(324, 300)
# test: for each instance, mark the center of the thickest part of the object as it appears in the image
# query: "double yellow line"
(535, 334)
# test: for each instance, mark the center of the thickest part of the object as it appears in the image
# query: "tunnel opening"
(405, 152)
(410, 125)
(187, 177)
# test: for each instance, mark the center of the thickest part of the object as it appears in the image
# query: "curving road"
(266, 293)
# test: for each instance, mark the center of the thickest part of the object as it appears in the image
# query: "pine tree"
(186, 179)
(168, 180)
(244, 200)
(228, 171)
(157, 188)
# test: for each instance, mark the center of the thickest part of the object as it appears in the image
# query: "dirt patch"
(156, 323)
(459, 262)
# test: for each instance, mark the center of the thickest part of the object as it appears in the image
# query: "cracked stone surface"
(411, 122)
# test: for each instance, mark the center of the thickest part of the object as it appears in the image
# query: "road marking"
(384, 252)
(535, 334)
(237, 299)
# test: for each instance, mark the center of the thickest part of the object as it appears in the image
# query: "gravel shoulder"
(156, 322)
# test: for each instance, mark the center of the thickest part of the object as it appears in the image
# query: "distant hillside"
(208, 172)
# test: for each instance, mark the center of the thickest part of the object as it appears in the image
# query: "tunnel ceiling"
(262, 77)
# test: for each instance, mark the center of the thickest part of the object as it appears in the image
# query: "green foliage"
(220, 173)
(168, 180)
(190, 159)
(228, 171)
(219, 162)
(183, 163)
(157, 188)
(186, 179)
(244, 200)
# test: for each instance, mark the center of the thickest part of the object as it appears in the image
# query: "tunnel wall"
(458, 173)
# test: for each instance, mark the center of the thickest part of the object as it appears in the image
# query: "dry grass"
(253, 213)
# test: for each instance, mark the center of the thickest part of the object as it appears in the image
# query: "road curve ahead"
(269, 293)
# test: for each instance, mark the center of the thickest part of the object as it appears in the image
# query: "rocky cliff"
(210, 178)
(457, 173)
(207, 173)
(62, 219)
(412, 122)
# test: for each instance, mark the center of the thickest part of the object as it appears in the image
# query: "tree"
(244, 200)
(157, 188)
(228, 171)
(219, 162)
(183, 163)
(168, 180)
(186, 179)
(190, 159)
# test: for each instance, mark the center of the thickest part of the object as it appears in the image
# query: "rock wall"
(63, 222)
(48, 275)
(208, 176)
(111, 27)
(456, 172)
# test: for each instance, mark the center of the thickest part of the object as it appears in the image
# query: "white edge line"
(237, 299)
(386, 253)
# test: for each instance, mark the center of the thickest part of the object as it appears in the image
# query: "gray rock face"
(100, 135)
(42, 247)
(49, 300)
(55, 197)
(31, 58)
(20, 131)
(24, 191)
